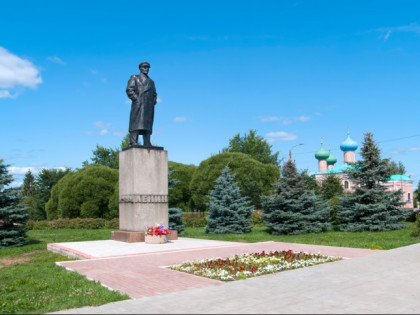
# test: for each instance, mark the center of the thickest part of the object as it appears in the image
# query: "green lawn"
(373, 240)
(30, 282)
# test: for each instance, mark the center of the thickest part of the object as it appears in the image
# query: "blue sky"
(294, 70)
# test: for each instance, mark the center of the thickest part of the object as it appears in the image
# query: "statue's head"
(144, 67)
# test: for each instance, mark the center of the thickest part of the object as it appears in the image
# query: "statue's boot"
(146, 140)
(134, 137)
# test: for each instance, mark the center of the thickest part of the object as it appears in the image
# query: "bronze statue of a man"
(142, 93)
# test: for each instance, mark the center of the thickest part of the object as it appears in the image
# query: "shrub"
(257, 217)
(254, 178)
(77, 223)
(180, 194)
(415, 230)
(194, 219)
(85, 193)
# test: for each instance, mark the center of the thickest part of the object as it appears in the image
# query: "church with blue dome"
(327, 165)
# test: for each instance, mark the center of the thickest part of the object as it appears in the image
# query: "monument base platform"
(133, 237)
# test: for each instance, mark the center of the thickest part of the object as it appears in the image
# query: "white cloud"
(93, 71)
(279, 136)
(21, 170)
(285, 120)
(103, 132)
(24, 156)
(128, 102)
(198, 38)
(105, 129)
(118, 134)
(269, 118)
(16, 72)
(303, 118)
(102, 125)
(158, 100)
(403, 150)
(55, 59)
(6, 94)
(180, 119)
(410, 28)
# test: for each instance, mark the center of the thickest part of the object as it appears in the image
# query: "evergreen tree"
(174, 214)
(28, 194)
(28, 188)
(331, 187)
(12, 214)
(371, 207)
(293, 209)
(311, 183)
(331, 190)
(229, 212)
(44, 182)
(175, 220)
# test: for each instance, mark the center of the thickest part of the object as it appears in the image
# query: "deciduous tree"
(255, 146)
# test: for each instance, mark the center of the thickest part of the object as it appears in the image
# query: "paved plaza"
(366, 282)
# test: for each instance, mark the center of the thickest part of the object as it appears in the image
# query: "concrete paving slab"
(109, 248)
(140, 275)
(386, 282)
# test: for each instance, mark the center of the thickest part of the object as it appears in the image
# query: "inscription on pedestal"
(143, 199)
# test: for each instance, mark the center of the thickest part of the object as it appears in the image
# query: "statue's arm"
(131, 89)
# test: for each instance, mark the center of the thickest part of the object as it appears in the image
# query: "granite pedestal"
(143, 191)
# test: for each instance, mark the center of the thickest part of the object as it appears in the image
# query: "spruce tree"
(293, 209)
(175, 220)
(229, 211)
(28, 195)
(371, 207)
(12, 215)
(174, 214)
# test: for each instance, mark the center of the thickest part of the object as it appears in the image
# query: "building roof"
(335, 170)
(322, 154)
(349, 144)
(343, 167)
(400, 177)
(331, 159)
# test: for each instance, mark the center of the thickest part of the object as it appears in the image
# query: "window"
(346, 185)
(409, 196)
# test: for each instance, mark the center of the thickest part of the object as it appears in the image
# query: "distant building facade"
(326, 166)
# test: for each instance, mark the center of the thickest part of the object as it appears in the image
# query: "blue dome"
(400, 177)
(348, 144)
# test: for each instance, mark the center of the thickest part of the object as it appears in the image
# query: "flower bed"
(245, 266)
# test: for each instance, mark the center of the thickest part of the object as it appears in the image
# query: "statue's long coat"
(142, 92)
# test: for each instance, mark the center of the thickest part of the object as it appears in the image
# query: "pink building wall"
(393, 185)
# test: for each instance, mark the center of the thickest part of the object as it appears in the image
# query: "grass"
(370, 240)
(30, 282)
